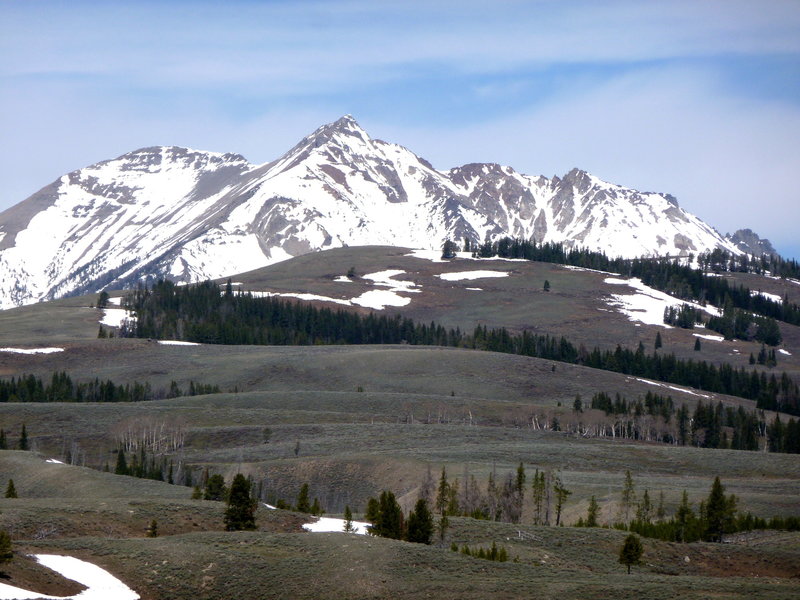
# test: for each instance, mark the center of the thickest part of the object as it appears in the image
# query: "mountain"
(190, 215)
(749, 242)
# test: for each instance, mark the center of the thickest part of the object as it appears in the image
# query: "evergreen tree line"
(200, 313)
(715, 517)
(668, 275)
(144, 465)
(494, 553)
(735, 323)
(61, 388)
(502, 499)
(709, 426)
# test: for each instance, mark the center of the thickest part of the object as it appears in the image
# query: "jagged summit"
(167, 211)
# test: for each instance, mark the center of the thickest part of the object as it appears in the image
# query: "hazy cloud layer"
(699, 99)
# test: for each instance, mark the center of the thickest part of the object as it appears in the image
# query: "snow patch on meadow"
(375, 299)
(114, 317)
(672, 387)
(100, 584)
(774, 297)
(470, 275)
(713, 338)
(177, 343)
(647, 305)
(331, 525)
(54, 461)
(31, 350)
(786, 352)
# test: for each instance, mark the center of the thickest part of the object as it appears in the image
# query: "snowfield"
(470, 275)
(100, 584)
(31, 350)
(331, 525)
(647, 305)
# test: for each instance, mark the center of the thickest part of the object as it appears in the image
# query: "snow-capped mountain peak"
(189, 214)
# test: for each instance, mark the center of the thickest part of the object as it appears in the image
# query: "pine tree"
(591, 514)
(303, 504)
(631, 551)
(562, 494)
(719, 512)
(420, 523)
(373, 510)
(658, 343)
(644, 512)
(389, 523)
(122, 464)
(628, 497)
(3, 443)
(23, 438)
(11, 491)
(215, 488)
(348, 520)
(697, 344)
(241, 511)
(546, 286)
(684, 518)
(442, 493)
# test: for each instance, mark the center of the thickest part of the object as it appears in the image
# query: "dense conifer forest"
(202, 313)
(670, 275)
(61, 388)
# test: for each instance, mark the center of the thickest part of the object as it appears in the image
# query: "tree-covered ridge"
(201, 313)
(61, 388)
(669, 275)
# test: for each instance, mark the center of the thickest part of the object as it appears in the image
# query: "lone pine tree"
(631, 551)
(241, 511)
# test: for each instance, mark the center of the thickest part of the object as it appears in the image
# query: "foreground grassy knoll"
(194, 558)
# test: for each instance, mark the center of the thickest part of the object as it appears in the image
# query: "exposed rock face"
(748, 241)
(190, 215)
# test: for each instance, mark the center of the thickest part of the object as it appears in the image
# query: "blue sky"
(697, 99)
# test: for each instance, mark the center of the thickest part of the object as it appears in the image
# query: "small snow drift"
(177, 343)
(713, 338)
(329, 524)
(31, 350)
(100, 584)
(470, 275)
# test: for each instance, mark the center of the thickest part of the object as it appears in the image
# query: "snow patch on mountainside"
(647, 305)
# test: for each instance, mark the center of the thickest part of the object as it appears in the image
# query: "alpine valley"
(186, 215)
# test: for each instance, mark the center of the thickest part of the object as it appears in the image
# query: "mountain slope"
(190, 215)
